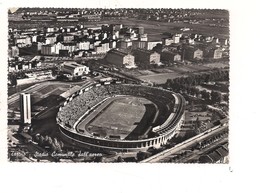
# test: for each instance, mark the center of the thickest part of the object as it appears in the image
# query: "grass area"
(160, 78)
(160, 75)
(154, 29)
(18, 88)
(217, 65)
(121, 117)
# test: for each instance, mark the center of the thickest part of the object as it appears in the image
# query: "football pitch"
(117, 118)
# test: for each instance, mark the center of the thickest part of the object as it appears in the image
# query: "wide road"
(185, 144)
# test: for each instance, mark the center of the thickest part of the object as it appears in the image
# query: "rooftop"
(72, 64)
(119, 52)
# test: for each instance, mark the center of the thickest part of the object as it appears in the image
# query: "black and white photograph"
(129, 96)
(118, 85)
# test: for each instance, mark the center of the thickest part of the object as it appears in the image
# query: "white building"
(74, 68)
(150, 45)
(176, 38)
(83, 45)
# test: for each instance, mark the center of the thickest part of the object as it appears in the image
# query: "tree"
(119, 159)
(158, 48)
(216, 97)
(50, 140)
(197, 123)
(141, 156)
(226, 97)
(192, 105)
(205, 95)
(61, 144)
(41, 141)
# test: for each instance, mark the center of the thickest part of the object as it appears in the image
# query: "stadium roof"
(70, 91)
(72, 64)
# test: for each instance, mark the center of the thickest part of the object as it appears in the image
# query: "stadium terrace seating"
(80, 104)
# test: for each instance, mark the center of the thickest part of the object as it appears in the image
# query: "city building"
(50, 39)
(215, 53)
(83, 45)
(112, 44)
(91, 17)
(170, 56)
(176, 39)
(138, 44)
(124, 44)
(99, 49)
(25, 108)
(143, 56)
(48, 49)
(68, 38)
(151, 44)
(120, 58)
(22, 41)
(167, 41)
(192, 53)
(13, 52)
(143, 37)
(74, 68)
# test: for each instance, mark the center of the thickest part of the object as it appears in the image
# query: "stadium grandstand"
(90, 102)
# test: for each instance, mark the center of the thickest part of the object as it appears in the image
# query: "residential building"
(99, 49)
(147, 57)
(13, 51)
(167, 41)
(68, 38)
(105, 46)
(50, 39)
(215, 53)
(22, 41)
(138, 44)
(49, 49)
(112, 44)
(139, 30)
(120, 58)
(176, 39)
(124, 44)
(143, 37)
(170, 56)
(71, 47)
(192, 53)
(83, 45)
(151, 44)
(224, 42)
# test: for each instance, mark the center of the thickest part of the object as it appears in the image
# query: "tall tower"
(25, 106)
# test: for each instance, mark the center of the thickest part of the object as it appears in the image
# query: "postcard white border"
(64, 177)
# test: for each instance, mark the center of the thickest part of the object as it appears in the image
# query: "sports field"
(118, 117)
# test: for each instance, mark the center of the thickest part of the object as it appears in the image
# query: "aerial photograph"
(101, 85)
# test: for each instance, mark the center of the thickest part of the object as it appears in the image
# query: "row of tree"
(187, 85)
(53, 143)
(197, 79)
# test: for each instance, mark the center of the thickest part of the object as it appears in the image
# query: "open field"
(160, 75)
(160, 78)
(217, 65)
(154, 29)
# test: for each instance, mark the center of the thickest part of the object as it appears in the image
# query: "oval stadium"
(121, 117)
